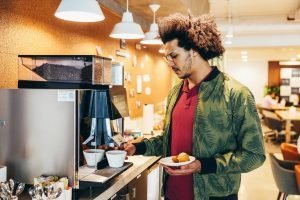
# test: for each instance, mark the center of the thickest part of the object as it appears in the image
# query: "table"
(272, 108)
(288, 117)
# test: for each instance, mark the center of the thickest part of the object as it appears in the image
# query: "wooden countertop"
(140, 164)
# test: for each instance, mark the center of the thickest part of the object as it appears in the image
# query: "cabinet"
(154, 179)
(134, 190)
(123, 194)
(138, 187)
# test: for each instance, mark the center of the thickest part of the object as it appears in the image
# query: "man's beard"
(184, 76)
(186, 68)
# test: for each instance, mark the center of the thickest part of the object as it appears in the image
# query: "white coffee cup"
(93, 156)
(116, 158)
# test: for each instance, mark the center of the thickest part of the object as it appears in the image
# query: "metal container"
(66, 68)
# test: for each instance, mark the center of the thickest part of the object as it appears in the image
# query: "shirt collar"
(212, 74)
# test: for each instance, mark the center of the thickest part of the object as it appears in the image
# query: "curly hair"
(197, 33)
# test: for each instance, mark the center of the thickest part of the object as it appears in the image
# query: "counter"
(140, 164)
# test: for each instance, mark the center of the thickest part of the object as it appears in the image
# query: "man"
(270, 100)
(209, 116)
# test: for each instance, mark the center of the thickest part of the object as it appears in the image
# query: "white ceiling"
(264, 53)
(253, 8)
(258, 23)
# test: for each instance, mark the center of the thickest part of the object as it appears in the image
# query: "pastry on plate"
(182, 157)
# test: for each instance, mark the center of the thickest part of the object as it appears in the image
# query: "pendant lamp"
(229, 33)
(79, 11)
(127, 29)
(152, 37)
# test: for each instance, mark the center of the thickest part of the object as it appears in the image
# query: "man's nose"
(171, 63)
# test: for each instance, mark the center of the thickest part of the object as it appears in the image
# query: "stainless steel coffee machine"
(44, 123)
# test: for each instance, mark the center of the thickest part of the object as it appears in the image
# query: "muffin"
(182, 157)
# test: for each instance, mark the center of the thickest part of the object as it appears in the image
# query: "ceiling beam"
(197, 7)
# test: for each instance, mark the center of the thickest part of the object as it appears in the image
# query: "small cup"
(93, 156)
(116, 158)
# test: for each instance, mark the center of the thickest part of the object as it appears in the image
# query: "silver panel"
(37, 134)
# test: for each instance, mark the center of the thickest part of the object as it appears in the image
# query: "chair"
(296, 126)
(297, 171)
(289, 152)
(284, 176)
(274, 123)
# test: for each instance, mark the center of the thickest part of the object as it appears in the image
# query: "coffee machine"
(62, 103)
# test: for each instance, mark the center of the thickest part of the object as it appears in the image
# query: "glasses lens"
(168, 58)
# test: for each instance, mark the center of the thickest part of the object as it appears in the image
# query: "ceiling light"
(152, 37)
(228, 42)
(79, 11)
(298, 56)
(229, 33)
(127, 29)
(244, 52)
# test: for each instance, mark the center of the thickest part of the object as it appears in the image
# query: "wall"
(285, 76)
(274, 72)
(30, 27)
(253, 74)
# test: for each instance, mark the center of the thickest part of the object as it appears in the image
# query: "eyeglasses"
(170, 57)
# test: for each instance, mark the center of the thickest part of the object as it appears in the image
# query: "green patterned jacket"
(226, 129)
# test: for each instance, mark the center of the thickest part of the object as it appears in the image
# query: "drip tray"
(101, 176)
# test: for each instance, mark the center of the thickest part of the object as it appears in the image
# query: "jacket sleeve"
(149, 147)
(154, 146)
(250, 153)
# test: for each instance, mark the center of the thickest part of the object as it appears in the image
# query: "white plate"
(169, 162)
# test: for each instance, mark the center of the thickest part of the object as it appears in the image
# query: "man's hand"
(191, 168)
(130, 148)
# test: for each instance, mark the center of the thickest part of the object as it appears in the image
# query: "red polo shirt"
(181, 187)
